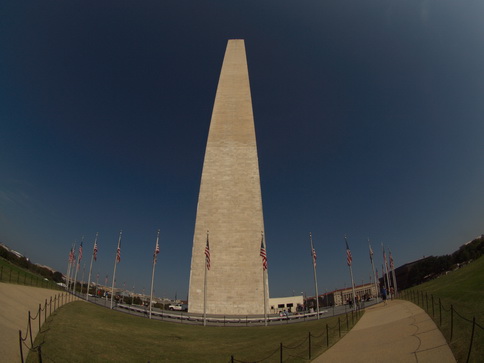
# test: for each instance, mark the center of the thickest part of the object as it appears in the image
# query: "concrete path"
(15, 303)
(396, 332)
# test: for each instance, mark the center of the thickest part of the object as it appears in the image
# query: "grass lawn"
(464, 290)
(83, 332)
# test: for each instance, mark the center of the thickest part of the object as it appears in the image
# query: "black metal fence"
(448, 317)
(51, 306)
(304, 349)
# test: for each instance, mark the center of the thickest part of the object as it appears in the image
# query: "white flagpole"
(373, 268)
(385, 266)
(392, 266)
(115, 263)
(68, 275)
(82, 280)
(314, 270)
(73, 267)
(77, 269)
(351, 274)
(153, 270)
(205, 285)
(264, 277)
(353, 288)
(90, 268)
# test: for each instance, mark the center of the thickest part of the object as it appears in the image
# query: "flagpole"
(386, 269)
(69, 263)
(153, 269)
(373, 268)
(207, 248)
(313, 256)
(115, 263)
(264, 276)
(349, 260)
(77, 268)
(353, 288)
(71, 270)
(392, 266)
(82, 280)
(90, 268)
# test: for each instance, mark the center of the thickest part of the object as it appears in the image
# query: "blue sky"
(369, 121)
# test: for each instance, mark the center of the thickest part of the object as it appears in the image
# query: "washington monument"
(229, 221)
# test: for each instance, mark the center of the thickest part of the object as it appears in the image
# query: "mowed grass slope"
(464, 290)
(83, 332)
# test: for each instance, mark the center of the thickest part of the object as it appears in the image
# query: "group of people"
(383, 293)
(358, 302)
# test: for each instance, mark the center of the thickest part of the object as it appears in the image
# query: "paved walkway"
(15, 303)
(396, 332)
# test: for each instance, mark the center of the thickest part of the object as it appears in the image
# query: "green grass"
(464, 290)
(10, 273)
(83, 332)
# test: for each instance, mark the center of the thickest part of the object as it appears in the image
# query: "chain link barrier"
(58, 301)
(417, 297)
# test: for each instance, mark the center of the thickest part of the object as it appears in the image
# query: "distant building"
(289, 304)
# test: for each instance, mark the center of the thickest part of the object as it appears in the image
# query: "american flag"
(392, 266)
(263, 254)
(313, 253)
(72, 257)
(385, 257)
(157, 248)
(371, 252)
(118, 251)
(207, 255)
(94, 251)
(80, 252)
(349, 258)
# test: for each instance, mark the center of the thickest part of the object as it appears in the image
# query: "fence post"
(40, 316)
(352, 318)
(327, 335)
(451, 321)
(30, 331)
(309, 348)
(18, 277)
(232, 359)
(427, 301)
(433, 310)
(45, 311)
(281, 353)
(347, 323)
(440, 312)
(50, 306)
(39, 353)
(339, 327)
(20, 341)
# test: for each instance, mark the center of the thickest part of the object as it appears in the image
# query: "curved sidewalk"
(15, 303)
(399, 331)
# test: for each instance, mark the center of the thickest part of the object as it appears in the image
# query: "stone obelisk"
(230, 203)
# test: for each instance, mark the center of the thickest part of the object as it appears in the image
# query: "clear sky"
(369, 120)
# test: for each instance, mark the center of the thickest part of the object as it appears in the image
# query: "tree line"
(417, 272)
